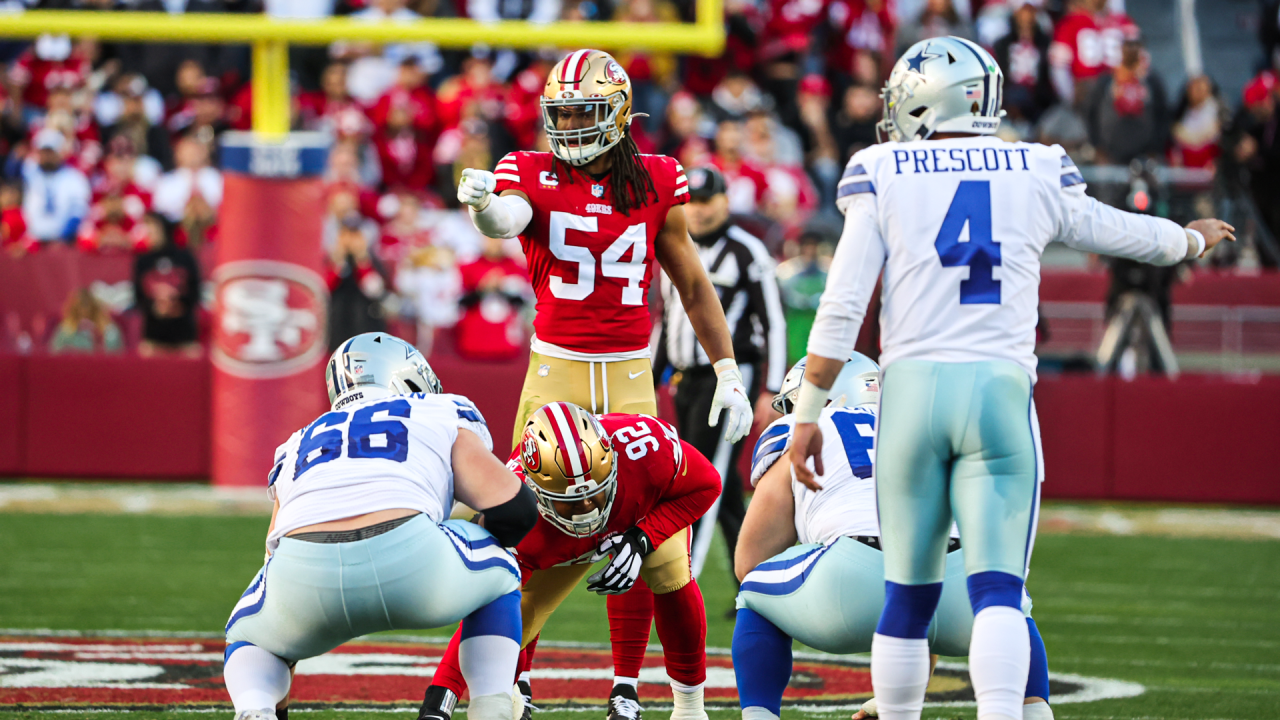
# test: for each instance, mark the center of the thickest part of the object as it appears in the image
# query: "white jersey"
(378, 454)
(958, 227)
(846, 504)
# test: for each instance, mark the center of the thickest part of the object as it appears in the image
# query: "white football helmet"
(377, 365)
(857, 384)
(945, 84)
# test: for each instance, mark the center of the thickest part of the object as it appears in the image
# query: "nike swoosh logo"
(634, 375)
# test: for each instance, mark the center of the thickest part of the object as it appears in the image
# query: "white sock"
(490, 707)
(488, 662)
(899, 675)
(758, 713)
(686, 689)
(999, 659)
(619, 680)
(687, 702)
(526, 676)
(1037, 711)
(256, 679)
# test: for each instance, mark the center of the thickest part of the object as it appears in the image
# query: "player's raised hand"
(731, 395)
(627, 551)
(476, 188)
(806, 442)
(1214, 232)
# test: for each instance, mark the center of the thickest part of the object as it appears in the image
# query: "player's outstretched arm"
(806, 441)
(499, 216)
(1095, 227)
(679, 258)
(769, 527)
(481, 481)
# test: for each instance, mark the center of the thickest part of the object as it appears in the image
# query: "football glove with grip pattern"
(628, 551)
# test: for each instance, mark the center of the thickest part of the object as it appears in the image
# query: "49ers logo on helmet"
(615, 73)
(529, 455)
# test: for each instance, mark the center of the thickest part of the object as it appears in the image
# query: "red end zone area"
(151, 673)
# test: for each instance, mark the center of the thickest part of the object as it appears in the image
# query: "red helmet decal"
(529, 455)
(615, 73)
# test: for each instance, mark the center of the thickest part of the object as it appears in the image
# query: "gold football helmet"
(567, 459)
(593, 84)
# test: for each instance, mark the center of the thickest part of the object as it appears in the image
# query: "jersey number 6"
(633, 238)
(971, 205)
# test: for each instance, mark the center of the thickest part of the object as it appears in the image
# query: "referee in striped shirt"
(742, 271)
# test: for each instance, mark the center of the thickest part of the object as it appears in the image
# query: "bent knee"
(666, 569)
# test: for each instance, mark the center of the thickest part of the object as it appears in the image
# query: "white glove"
(476, 188)
(731, 395)
(628, 551)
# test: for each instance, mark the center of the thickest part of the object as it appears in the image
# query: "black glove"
(627, 551)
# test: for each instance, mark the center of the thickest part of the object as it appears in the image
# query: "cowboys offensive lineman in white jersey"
(957, 220)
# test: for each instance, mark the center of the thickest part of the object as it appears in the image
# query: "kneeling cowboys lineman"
(827, 592)
(360, 544)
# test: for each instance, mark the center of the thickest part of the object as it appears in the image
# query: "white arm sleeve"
(506, 216)
(1094, 227)
(854, 270)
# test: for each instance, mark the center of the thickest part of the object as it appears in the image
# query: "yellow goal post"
(270, 39)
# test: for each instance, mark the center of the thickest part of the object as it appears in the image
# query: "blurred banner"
(269, 341)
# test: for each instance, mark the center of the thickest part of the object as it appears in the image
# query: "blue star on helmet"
(914, 63)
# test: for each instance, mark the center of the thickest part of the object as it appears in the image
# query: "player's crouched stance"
(358, 542)
(828, 591)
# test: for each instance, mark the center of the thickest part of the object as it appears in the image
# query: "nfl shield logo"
(597, 190)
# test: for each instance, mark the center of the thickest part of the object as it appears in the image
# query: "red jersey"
(664, 484)
(37, 77)
(1089, 43)
(590, 266)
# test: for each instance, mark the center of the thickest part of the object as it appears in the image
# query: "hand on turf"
(476, 188)
(731, 395)
(627, 551)
(1214, 232)
(806, 442)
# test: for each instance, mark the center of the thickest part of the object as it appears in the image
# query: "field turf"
(1196, 621)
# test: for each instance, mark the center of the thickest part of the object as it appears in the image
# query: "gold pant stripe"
(625, 386)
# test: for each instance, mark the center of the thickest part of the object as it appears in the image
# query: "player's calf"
(1000, 649)
(256, 680)
(762, 663)
(900, 649)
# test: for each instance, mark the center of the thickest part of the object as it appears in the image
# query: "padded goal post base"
(270, 309)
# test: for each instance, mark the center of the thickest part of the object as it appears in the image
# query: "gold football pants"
(664, 570)
(624, 386)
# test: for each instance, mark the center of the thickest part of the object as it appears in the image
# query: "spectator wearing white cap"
(55, 195)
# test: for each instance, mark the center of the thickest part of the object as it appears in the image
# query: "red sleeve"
(692, 491)
(510, 174)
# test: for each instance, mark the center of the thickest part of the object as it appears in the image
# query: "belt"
(873, 542)
(346, 536)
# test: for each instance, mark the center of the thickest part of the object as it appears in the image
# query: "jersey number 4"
(633, 238)
(972, 206)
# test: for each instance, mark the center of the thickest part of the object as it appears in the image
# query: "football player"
(957, 219)
(622, 486)
(358, 541)
(828, 591)
(592, 215)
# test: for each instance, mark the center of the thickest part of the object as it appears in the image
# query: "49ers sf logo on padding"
(270, 318)
(44, 672)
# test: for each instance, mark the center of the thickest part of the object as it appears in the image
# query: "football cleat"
(438, 704)
(265, 714)
(522, 701)
(624, 703)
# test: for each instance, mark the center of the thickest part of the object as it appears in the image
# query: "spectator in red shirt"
(13, 229)
(1023, 56)
(411, 90)
(51, 62)
(404, 151)
(746, 183)
(404, 231)
(1086, 43)
(1198, 123)
(329, 107)
(783, 42)
(524, 108)
(494, 288)
(475, 86)
(864, 33)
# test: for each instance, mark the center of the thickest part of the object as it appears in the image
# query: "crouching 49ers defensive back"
(622, 486)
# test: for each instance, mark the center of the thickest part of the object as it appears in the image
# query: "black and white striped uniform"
(742, 271)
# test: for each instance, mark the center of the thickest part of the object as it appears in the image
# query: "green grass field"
(1196, 621)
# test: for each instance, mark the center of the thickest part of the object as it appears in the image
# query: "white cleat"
(688, 706)
(490, 707)
(269, 714)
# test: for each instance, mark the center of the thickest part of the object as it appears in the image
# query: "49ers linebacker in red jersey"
(592, 215)
(619, 485)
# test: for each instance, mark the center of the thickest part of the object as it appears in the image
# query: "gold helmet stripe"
(567, 439)
(573, 69)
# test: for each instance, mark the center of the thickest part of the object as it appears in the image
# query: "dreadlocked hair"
(629, 179)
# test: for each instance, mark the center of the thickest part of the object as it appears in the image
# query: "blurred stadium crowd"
(112, 148)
